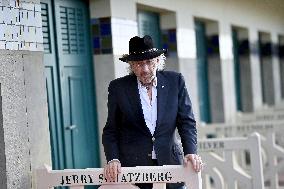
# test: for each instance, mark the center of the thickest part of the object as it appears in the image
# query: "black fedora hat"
(141, 49)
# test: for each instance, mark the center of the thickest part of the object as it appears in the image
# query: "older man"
(144, 110)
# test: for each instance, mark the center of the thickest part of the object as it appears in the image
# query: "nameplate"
(129, 175)
(133, 177)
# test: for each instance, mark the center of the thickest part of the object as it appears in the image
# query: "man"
(144, 110)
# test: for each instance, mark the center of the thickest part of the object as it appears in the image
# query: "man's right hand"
(111, 170)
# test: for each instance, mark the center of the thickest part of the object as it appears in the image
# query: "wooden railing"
(265, 115)
(272, 149)
(222, 170)
(158, 175)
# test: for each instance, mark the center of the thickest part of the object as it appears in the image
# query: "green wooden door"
(202, 73)
(149, 24)
(70, 86)
(237, 69)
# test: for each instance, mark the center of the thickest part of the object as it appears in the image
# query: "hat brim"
(143, 56)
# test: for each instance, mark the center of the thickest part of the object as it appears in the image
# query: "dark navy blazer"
(126, 136)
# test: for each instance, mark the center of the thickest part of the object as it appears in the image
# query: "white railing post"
(159, 186)
(256, 160)
(41, 175)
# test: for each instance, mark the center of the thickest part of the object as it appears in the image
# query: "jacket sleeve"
(186, 123)
(111, 129)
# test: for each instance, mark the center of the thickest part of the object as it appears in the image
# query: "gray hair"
(161, 66)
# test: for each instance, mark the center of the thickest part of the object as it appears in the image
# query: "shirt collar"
(155, 83)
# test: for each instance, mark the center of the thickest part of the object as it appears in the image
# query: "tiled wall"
(213, 45)
(111, 36)
(265, 49)
(101, 33)
(244, 47)
(281, 51)
(20, 25)
(169, 41)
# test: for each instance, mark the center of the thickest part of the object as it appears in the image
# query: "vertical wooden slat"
(76, 187)
(159, 186)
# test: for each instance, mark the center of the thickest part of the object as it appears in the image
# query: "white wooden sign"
(158, 175)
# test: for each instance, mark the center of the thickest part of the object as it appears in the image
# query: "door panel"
(79, 118)
(78, 122)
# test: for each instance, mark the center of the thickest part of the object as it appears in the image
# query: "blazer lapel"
(162, 90)
(136, 106)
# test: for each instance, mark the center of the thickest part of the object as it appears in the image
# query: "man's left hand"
(195, 160)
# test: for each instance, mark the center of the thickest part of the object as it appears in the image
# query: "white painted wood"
(264, 115)
(159, 186)
(271, 143)
(119, 186)
(222, 167)
(47, 178)
(76, 187)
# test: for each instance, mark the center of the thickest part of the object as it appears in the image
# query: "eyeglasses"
(148, 63)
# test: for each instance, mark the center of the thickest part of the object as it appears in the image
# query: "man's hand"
(111, 170)
(195, 160)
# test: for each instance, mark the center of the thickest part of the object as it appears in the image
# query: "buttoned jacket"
(126, 136)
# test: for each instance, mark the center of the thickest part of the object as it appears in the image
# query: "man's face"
(145, 70)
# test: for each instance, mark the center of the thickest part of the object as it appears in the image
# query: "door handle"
(71, 127)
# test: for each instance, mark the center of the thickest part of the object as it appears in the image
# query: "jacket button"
(153, 139)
